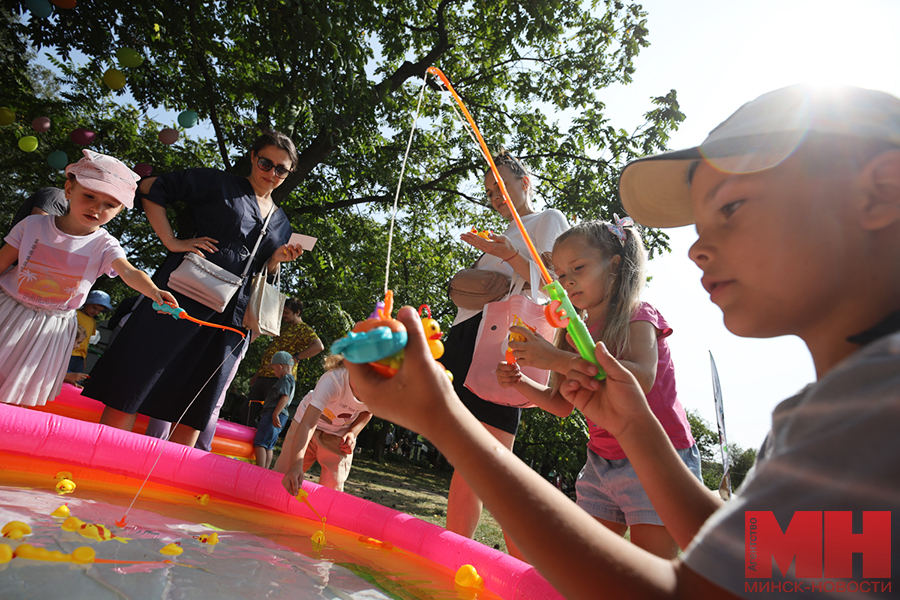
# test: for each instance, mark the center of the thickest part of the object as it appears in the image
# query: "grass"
(415, 490)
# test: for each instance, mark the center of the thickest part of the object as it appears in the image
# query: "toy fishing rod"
(560, 312)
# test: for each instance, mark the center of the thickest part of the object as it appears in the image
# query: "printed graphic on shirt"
(339, 420)
(46, 275)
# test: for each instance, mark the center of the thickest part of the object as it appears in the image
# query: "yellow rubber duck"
(82, 555)
(62, 512)
(468, 577)
(65, 486)
(172, 549)
(16, 530)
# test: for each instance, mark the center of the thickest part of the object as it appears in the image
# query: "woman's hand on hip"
(497, 245)
(197, 245)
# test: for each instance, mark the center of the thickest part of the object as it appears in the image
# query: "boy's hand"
(535, 351)
(348, 443)
(612, 403)
(276, 419)
(508, 375)
(418, 395)
(293, 479)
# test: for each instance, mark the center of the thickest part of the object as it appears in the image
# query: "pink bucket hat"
(105, 175)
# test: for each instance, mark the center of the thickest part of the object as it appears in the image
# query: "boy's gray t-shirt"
(283, 387)
(835, 446)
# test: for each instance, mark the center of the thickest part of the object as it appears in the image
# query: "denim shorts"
(266, 433)
(610, 489)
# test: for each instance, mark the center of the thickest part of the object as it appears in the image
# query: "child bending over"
(324, 429)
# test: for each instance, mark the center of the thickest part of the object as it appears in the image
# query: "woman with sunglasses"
(158, 366)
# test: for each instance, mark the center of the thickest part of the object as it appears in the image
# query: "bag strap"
(259, 238)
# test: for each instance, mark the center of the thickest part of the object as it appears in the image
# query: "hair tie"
(618, 228)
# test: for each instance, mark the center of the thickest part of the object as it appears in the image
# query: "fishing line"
(412, 131)
(122, 522)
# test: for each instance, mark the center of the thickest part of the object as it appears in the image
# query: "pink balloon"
(41, 124)
(83, 137)
(168, 136)
(143, 169)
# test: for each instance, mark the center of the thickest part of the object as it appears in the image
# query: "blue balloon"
(188, 119)
(39, 8)
(57, 159)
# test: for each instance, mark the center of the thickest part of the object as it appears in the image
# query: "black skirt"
(459, 347)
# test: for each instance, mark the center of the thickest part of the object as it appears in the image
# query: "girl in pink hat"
(59, 259)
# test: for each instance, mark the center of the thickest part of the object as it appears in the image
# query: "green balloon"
(28, 143)
(129, 57)
(7, 116)
(57, 160)
(188, 119)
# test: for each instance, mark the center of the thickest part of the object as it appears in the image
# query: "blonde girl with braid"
(601, 266)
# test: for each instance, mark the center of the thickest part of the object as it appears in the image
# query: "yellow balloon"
(28, 143)
(114, 78)
(7, 115)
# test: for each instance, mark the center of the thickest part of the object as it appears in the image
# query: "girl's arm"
(8, 255)
(510, 375)
(140, 281)
(580, 557)
(535, 351)
(156, 215)
(642, 356)
(293, 478)
(618, 405)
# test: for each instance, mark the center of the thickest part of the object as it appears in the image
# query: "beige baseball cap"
(655, 190)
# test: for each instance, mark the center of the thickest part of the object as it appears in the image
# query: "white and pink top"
(56, 270)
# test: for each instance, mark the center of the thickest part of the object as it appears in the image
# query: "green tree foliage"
(343, 80)
(552, 445)
(711, 454)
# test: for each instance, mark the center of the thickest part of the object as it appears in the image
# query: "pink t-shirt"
(56, 270)
(663, 397)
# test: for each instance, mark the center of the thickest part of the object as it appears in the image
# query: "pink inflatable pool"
(29, 436)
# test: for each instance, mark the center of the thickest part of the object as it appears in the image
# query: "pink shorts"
(325, 448)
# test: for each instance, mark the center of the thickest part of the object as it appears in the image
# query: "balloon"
(188, 119)
(168, 136)
(143, 169)
(41, 124)
(57, 159)
(28, 143)
(64, 3)
(129, 57)
(83, 137)
(39, 8)
(114, 78)
(7, 115)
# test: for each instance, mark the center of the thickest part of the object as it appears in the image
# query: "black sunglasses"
(267, 165)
